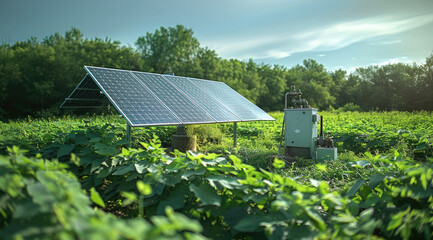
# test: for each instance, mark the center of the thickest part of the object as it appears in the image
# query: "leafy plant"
(41, 199)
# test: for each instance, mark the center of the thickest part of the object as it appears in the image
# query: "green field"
(74, 178)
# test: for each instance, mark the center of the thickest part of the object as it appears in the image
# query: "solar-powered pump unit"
(300, 130)
(149, 99)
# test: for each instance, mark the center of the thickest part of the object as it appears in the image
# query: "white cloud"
(387, 42)
(343, 34)
(405, 60)
(331, 37)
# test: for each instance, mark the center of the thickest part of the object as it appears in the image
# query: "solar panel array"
(148, 99)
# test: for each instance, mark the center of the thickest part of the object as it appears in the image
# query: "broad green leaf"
(144, 188)
(394, 223)
(170, 179)
(362, 163)
(108, 151)
(96, 163)
(182, 221)
(375, 180)
(278, 163)
(316, 220)
(421, 146)
(344, 218)
(323, 187)
(176, 165)
(189, 173)
(124, 169)
(125, 152)
(81, 139)
(95, 139)
(75, 160)
(358, 184)
(223, 181)
(94, 196)
(249, 223)
(423, 179)
(65, 150)
(255, 197)
(175, 199)
(236, 161)
(301, 232)
(130, 196)
(26, 209)
(206, 194)
(321, 167)
(369, 226)
(365, 215)
(314, 182)
(141, 166)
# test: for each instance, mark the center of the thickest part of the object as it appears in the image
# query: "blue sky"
(339, 34)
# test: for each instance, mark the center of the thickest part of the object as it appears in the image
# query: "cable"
(281, 138)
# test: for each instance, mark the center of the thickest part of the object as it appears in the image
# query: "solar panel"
(147, 99)
(215, 109)
(134, 101)
(186, 110)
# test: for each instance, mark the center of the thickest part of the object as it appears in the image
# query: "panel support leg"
(235, 134)
(128, 134)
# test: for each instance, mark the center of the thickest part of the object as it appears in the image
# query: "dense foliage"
(37, 75)
(40, 199)
(360, 196)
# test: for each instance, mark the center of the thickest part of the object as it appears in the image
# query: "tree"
(39, 75)
(272, 94)
(425, 85)
(169, 50)
(315, 83)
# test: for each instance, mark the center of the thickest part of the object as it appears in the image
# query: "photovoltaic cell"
(186, 110)
(136, 103)
(216, 110)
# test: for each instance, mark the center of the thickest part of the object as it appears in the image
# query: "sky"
(340, 34)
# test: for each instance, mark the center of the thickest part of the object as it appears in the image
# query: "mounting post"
(128, 134)
(235, 135)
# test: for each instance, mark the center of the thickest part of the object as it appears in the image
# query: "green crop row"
(226, 198)
(411, 134)
(381, 186)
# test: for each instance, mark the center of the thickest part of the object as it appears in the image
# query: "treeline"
(37, 75)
